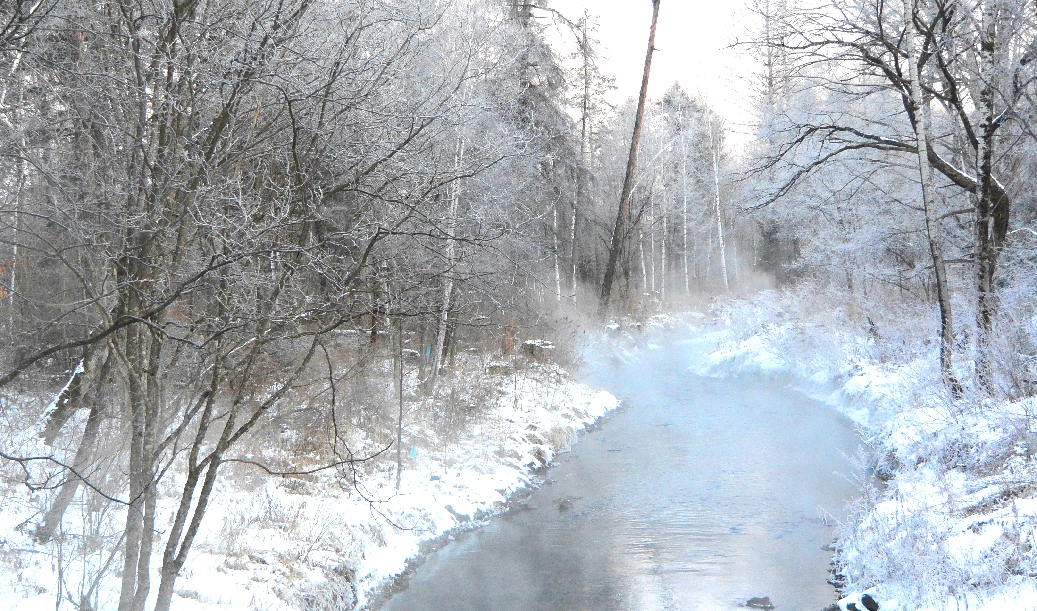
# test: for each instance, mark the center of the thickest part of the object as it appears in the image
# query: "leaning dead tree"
(619, 231)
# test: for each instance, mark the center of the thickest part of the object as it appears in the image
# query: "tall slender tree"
(619, 230)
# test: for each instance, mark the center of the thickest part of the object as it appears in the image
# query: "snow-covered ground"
(951, 521)
(327, 541)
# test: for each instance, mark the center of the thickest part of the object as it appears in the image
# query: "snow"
(956, 524)
(54, 401)
(952, 524)
(321, 541)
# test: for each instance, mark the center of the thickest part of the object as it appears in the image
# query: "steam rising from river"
(698, 494)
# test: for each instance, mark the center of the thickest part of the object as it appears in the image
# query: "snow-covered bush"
(950, 513)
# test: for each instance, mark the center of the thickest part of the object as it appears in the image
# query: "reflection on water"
(697, 494)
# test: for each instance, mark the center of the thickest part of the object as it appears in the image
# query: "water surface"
(696, 494)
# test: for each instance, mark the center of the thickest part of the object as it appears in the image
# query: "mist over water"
(697, 494)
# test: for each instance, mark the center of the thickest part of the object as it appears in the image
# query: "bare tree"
(19, 19)
(923, 128)
(861, 52)
(619, 231)
(233, 175)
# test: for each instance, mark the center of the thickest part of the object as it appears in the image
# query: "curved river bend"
(696, 494)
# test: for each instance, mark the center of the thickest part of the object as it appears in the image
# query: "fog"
(698, 494)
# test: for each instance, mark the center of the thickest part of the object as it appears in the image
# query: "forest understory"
(318, 538)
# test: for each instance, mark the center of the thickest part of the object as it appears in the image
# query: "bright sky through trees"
(694, 45)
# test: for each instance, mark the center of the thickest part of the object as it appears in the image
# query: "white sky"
(693, 48)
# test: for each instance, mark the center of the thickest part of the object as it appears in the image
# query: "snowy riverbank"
(955, 521)
(951, 519)
(327, 540)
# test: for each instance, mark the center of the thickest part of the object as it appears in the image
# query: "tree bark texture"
(991, 218)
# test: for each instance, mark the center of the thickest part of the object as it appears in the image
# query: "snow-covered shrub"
(949, 517)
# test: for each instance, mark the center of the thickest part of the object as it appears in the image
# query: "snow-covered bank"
(330, 539)
(955, 521)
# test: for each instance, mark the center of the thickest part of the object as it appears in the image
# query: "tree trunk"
(572, 242)
(651, 233)
(179, 541)
(734, 261)
(372, 336)
(585, 150)
(84, 454)
(95, 370)
(684, 197)
(438, 351)
(985, 252)
(644, 268)
(554, 248)
(922, 129)
(662, 264)
(619, 231)
(147, 473)
(715, 146)
(398, 379)
(508, 341)
(23, 180)
(93, 365)
(424, 349)
(709, 256)
(451, 255)
(135, 507)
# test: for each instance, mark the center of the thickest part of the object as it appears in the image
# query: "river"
(697, 493)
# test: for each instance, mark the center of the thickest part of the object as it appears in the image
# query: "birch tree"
(923, 128)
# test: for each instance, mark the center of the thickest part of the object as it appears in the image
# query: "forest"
(250, 240)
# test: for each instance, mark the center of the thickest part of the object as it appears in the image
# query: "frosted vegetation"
(289, 289)
(946, 515)
(321, 538)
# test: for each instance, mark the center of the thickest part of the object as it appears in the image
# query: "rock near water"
(759, 602)
(869, 603)
(866, 602)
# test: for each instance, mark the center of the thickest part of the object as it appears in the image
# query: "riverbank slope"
(951, 516)
(327, 540)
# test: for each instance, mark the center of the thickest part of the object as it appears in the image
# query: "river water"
(696, 494)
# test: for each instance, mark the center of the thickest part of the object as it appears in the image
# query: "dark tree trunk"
(397, 357)
(84, 454)
(619, 232)
(81, 387)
